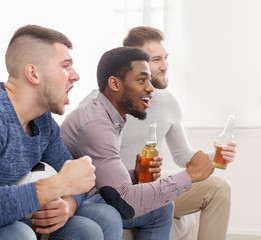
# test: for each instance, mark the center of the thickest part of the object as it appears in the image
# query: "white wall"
(218, 44)
(217, 62)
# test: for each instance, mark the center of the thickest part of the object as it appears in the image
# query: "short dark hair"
(138, 36)
(117, 62)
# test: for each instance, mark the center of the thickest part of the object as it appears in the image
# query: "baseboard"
(244, 231)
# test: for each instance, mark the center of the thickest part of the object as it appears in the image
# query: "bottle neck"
(152, 138)
(229, 128)
(230, 124)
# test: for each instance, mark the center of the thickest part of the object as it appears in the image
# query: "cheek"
(63, 78)
(65, 74)
(154, 70)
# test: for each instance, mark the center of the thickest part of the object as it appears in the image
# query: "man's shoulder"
(7, 112)
(3, 121)
(85, 113)
(4, 101)
(163, 98)
(165, 93)
(90, 96)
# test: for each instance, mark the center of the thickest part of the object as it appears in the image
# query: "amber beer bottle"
(148, 153)
(225, 137)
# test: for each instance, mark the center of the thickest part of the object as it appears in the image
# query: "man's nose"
(74, 76)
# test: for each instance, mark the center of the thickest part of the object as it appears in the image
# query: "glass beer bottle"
(148, 153)
(225, 137)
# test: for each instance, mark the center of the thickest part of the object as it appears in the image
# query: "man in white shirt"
(211, 196)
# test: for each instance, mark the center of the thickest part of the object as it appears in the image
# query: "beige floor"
(243, 237)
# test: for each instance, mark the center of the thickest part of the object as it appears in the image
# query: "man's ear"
(32, 73)
(114, 83)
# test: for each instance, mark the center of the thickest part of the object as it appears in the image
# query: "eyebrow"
(160, 56)
(143, 73)
(67, 60)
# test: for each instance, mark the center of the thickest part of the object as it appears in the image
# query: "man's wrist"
(191, 175)
(48, 190)
(71, 203)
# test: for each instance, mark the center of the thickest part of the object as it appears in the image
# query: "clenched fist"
(78, 175)
(75, 177)
(200, 167)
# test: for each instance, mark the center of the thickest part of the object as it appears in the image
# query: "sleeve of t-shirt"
(98, 139)
(17, 202)
(176, 138)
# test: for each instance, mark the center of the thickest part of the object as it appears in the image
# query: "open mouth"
(70, 88)
(146, 101)
(67, 95)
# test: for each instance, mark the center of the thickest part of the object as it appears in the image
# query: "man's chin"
(160, 84)
(139, 115)
(58, 111)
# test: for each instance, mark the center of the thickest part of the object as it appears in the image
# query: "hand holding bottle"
(228, 151)
(225, 143)
(154, 167)
(149, 152)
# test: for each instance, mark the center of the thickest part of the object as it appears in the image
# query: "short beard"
(126, 103)
(158, 84)
(52, 100)
(139, 115)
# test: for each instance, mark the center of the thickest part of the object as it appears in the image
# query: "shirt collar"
(117, 120)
